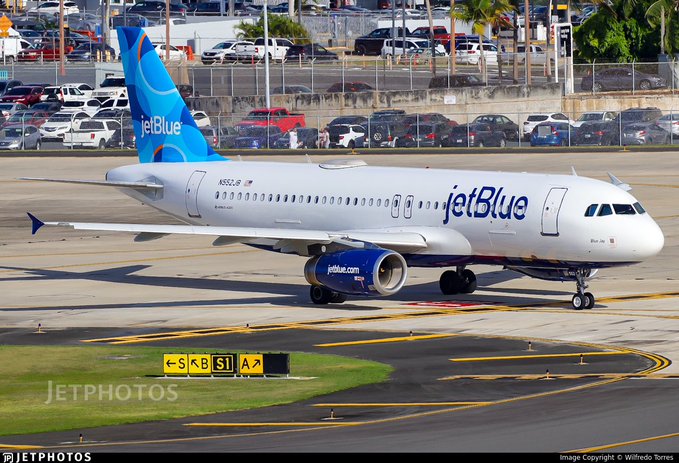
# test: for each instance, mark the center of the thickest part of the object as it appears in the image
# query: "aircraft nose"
(650, 241)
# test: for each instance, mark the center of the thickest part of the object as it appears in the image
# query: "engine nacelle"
(552, 274)
(366, 272)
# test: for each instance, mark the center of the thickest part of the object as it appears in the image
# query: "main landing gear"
(581, 299)
(457, 281)
(323, 295)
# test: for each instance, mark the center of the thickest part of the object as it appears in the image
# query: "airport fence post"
(377, 86)
(212, 93)
(312, 74)
(256, 80)
(344, 59)
(417, 128)
(283, 74)
(410, 71)
(634, 83)
(193, 81)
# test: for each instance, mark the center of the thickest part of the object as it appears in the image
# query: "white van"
(10, 47)
(402, 47)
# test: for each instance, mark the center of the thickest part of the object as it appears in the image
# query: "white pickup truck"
(92, 133)
(277, 49)
(538, 55)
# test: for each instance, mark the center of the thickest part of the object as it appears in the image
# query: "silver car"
(18, 137)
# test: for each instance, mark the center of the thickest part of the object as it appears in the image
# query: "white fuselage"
(508, 218)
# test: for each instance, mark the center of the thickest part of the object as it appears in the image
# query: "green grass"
(120, 373)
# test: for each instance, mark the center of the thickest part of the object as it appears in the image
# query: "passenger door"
(550, 211)
(192, 187)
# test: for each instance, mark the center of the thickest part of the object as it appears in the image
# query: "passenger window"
(332, 200)
(379, 202)
(370, 202)
(270, 197)
(217, 195)
(355, 201)
(419, 205)
(240, 195)
(638, 208)
(386, 203)
(436, 204)
(346, 201)
(428, 204)
(605, 210)
(231, 196)
(339, 200)
(623, 209)
(324, 199)
(247, 196)
(223, 195)
(362, 201)
(591, 210)
(292, 200)
(278, 198)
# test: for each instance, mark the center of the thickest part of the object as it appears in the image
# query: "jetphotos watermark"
(38, 457)
(110, 392)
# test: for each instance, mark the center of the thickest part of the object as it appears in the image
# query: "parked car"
(399, 46)
(311, 51)
(46, 52)
(291, 89)
(279, 117)
(645, 133)
(19, 137)
(346, 135)
(431, 118)
(7, 109)
(500, 122)
(594, 116)
(156, 9)
(621, 79)
(670, 123)
(207, 9)
(117, 114)
(357, 120)
(348, 87)
(457, 80)
(111, 87)
(52, 8)
(124, 138)
(306, 138)
(7, 85)
(27, 117)
(24, 94)
(224, 51)
(211, 135)
(551, 134)
(175, 53)
(632, 115)
(119, 103)
(476, 134)
(538, 55)
(386, 115)
(599, 133)
(201, 118)
(186, 91)
(61, 122)
(90, 106)
(425, 135)
(50, 107)
(371, 43)
(256, 137)
(227, 136)
(93, 133)
(91, 51)
(384, 134)
(534, 119)
(62, 93)
(441, 34)
(470, 53)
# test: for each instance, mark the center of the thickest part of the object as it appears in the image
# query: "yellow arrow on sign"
(251, 364)
(175, 364)
(200, 364)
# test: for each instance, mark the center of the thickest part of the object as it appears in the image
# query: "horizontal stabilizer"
(136, 185)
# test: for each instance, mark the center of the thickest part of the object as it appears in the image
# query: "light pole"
(266, 55)
(167, 30)
(62, 70)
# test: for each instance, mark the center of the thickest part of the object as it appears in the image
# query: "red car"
(24, 94)
(47, 52)
(27, 117)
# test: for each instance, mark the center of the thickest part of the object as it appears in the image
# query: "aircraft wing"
(287, 240)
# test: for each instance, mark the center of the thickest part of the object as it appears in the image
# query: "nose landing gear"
(581, 299)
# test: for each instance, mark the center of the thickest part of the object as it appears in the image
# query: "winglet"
(619, 183)
(36, 223)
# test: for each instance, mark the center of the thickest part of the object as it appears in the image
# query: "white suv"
(469, 53)
(346, 135)
(402, 47)
(535, 119)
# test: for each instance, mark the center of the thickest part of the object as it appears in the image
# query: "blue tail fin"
(163, 125)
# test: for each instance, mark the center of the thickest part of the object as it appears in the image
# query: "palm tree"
(481, 13)
(279, 26)
(661, 12)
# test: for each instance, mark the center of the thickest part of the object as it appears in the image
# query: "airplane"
(362, 227)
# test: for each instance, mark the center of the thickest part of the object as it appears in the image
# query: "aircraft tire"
(450, 282)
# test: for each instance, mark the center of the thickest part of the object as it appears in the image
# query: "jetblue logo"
(342, 269)
(484, 202)
(157, 125)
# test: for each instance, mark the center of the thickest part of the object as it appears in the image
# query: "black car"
(155, 9)
(123, 137)
(256, 137)
(7, 85)
(429, 118)
(476, 134)
(384, 134)
(306, 138)
(207, 9)
(387, 115)
(645, 133)
(425, 135)
(91, 52)
(291, 89)
(50, 107)
(502, 123)
(603, 133)
(347, 120)
(312, 51)
(457, 80)
(621, 79)
(371, 44)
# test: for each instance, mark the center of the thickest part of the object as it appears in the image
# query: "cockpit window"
(623, 209)
(605, 210)
(638, 208)
(591, 210)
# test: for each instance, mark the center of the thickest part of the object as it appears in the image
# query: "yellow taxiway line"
(385, 340)
(538, 356)
(19, 447)
(622, 444)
